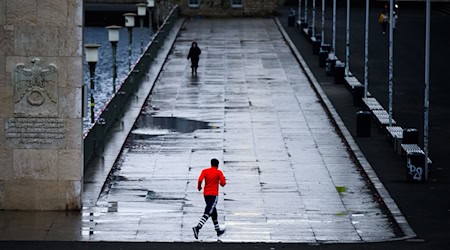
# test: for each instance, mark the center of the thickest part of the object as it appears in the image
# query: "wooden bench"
(407, 149)
(372, 104)
(382, 118)
(352, 82)
(395, 135)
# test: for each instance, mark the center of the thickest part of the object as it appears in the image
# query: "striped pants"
(210, 211)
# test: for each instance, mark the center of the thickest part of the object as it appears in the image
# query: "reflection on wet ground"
(148, 126)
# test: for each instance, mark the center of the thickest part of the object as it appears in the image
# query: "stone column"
(41, 76)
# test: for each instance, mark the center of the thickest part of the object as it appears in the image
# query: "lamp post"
(129, 23)
(366, 51)
(141, 10)
(334, 28)
(427, 86)
(113, 37)
(306, 13)
(347, 41)
(313, 18)
(158, 4)
(92, 59)
(323, 22)
(391, 60)
(163, 9)
(150, 5)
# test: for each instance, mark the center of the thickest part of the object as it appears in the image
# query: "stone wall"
(223, 8)
(41, 80)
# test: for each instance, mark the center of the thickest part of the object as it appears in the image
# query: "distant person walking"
(194, 55)
(213, 177)
(383, 20)
(394, 20)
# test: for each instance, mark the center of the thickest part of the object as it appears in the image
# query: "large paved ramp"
(290, 175)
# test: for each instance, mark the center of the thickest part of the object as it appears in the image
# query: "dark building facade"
(227, 8)
(206, 8)
(107, 12)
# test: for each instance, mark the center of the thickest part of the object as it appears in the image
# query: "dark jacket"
(194, 53)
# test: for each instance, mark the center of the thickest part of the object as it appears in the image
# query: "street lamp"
(150, 5)
(141, 10)
(113, 37)
(92, 59)
(129, 23)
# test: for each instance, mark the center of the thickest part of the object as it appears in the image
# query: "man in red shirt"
(213, 177)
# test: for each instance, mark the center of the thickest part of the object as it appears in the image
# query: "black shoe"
(196, 230)
(220, 232)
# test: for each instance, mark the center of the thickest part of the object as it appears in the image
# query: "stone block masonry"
(40, 98)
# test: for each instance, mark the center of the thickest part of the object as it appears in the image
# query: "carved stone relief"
(35, 90)
(35, 123)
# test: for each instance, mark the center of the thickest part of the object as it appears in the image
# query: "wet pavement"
(291, 177)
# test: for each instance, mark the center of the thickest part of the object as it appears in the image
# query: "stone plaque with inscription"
(35, 132)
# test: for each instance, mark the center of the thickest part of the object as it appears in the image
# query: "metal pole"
(150, 20)
(323, 22)
(366, 52)
(313, 25)
(157, 15)
(114, 52)
(427, 86)
(141, 19)
(334, 26)
(299, 18)
(130, 41)
(391, 59)
(92, 87)
(306, 11)
(347, 41)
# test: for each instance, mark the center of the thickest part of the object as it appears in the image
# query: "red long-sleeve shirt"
(213, 177)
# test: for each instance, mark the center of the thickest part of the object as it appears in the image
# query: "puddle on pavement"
(148, 126)
(153, 196)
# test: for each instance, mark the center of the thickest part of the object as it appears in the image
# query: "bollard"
(358, 94)
(291, 18)
(330, 64)
(363, 124)
(310, 31)
(415, 167)
(323, 55)
(303, 23)
(339, 73)
(316, 45)
(410, 136)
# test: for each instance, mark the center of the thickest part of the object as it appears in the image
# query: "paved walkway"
(290, 176)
